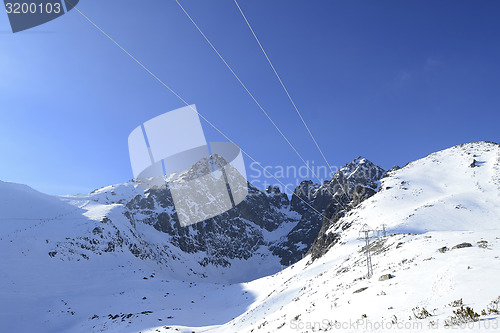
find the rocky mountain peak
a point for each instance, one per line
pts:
(321, 205)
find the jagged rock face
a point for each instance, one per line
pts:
(236, 233)
(303, 195)
(263, 230)
(321, 205)
(264, 208)
(239, 232)
(298, 241)
(354, 178)
(353, 184)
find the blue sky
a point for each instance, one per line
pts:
(392, 81)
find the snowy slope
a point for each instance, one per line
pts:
(83, 268)
(438, 201)
(79, 263)
(21, 207)
(87, 268)
(431, 203)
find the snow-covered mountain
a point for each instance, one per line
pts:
(117, 260)
(355, 182)
(256, 238)
(58, 245)
(441, 252)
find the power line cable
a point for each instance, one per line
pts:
(256, 102)
(187, 104)
(287, 93)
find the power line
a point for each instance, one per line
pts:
(256, 102)
(286, 91)
(184, 101)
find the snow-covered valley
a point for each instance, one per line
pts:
(100, 262)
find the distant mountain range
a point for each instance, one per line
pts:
(118, 260)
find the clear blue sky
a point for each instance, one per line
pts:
(388, 80)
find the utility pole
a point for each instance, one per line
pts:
(364, 233)
(384, 232)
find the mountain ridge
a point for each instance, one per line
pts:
(267, 226)
(97, 269)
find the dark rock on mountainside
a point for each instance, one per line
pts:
(238, 232)
(393, 169)
(266, 223)
(385, 277)
(323, 205)
(356, 182)
(461, 246)
(228, 235)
